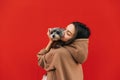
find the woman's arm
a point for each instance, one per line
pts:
(41, 54)
(41, 59)
(49, 45)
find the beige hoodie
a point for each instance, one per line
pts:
(64, 63)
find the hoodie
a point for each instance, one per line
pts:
(64, 63)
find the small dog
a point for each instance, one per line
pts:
(56, 33)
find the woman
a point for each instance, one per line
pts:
(65, 61)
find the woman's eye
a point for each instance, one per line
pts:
(68, 33)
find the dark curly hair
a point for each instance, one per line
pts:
(81, 32)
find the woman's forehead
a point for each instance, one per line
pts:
(71, 28)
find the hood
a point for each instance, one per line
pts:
(79, 50)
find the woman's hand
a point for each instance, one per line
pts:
(48, 34)
(50, 40)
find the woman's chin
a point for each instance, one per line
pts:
(63, 39)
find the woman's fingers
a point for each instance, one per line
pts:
(48, 33)
(49, 30)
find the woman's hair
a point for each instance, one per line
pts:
(81, 31)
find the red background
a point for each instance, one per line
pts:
(23, 27)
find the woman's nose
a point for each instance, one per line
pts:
(64, 31)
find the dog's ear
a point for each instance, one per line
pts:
(53, 29)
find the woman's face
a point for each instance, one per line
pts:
(68, 33)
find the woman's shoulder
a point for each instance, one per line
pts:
(60, 49)
(80, 42)
(77, 42)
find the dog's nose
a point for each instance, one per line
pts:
(53, 36)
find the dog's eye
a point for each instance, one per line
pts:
(58, 32)
(51, 32)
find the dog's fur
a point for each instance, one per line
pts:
(56, 33)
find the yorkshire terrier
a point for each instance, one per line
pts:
(56, 33)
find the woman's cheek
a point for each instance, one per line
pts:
(68, 38)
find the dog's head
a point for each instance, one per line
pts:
(56, 33)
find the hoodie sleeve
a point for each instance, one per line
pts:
(41, 58)
(79, 50)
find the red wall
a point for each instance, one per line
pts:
(23, 27)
